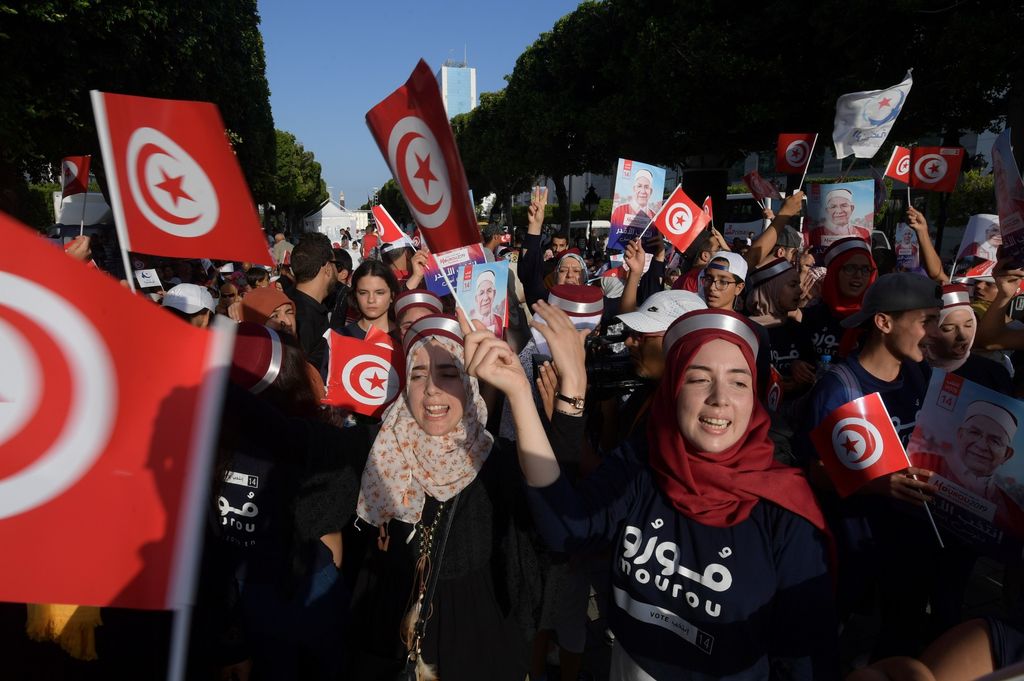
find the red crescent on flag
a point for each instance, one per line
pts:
(148, 150)
(410, 194)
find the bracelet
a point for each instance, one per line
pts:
(569, 413)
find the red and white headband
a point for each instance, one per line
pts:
(705, 320)
(432, 325)
(408, 300)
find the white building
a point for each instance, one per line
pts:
(331, 218)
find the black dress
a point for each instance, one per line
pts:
(487, 595)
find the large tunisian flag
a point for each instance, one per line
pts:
(108, 407)
(412, 131)
(175, 185)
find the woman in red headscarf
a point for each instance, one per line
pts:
(851, 270)
(720, 563)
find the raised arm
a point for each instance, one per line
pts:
(993, 334)
(929, 258)
(634, 257)
(530, 259)
(765, 242)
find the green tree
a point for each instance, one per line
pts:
(58, 50)
(298, 187)
(490, 144)
(390, 196)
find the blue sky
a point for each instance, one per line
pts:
(330, 61)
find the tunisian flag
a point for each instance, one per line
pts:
(899, 165)
(680, 219)
(793, 152)
(363, 375)
(390, 232)
(108, 410)
(761, 188)
(175, 184)
(74, 175)
(857, 443)
(935, 168)
(411, 128)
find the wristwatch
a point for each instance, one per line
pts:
(576, 402)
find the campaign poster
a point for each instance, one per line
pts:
(639, 193)
(906, 249)
(981, 239)
(451, 261)
(482, 291)
(835, 211)
(742, 230)
(967, 435)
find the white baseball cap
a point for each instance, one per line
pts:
(189, 298)
(661, 309)
(737, 263)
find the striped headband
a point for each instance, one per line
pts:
(417, 298)
(954, 295)
(844, 245)
(768, 272)
(429, 326)
(703, 320)
(274, 368)
(577, 301)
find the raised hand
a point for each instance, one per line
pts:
(635, 258)
(490, 359)
(567, 347)
(547, 386)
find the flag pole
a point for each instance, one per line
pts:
(85, 199)
(927, 508)
(808, 164)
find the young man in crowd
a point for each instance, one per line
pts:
(313, 265)
(192, 303)
(881, 538)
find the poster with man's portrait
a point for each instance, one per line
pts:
(482, 290)
(970, 437)
(835, 211)
(906, 249)
(639, 193)
(981, 239)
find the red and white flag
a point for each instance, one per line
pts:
(793, 152)
(761, 188)
(363, 376)
(108, 413)
(858, 443)
(412, 130)
(899, 165)
(175, 185)
(74, 175)
(935, 168)
(680, 219)
(388, 229)
(706, 207)
(774, 394)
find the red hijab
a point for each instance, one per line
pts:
(719, 490)
(837, 255)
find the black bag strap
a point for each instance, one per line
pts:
(435, 568)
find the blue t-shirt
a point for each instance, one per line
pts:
(848, 380)
(690, 601)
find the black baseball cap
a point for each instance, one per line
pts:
(896, 292)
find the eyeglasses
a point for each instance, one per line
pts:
(864, 270)
(718, 284)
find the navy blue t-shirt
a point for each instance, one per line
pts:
(690, 601)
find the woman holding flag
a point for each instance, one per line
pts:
(720, 554)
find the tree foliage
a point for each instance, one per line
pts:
(56, 51)
(390, 196)
(699, 83)
(298, 188)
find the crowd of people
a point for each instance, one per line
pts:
(634, 443)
